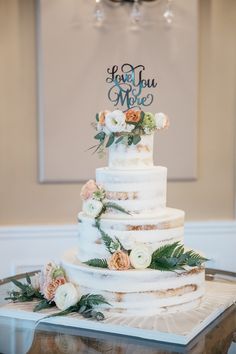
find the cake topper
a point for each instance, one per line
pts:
(129, 92)
(129, 86)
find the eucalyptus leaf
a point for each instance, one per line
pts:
(136, 139)
(100, 136)
(43, 304)
(28, 278)
(130, 140)
(119, 139)
(110, 140)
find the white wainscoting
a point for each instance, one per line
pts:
(27, 248)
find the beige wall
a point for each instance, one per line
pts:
(24, 201)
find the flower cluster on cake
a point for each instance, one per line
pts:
(126, 127)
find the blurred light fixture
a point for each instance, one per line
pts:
(168, 13)
(136, 10)
(99, 13)
(120, 1)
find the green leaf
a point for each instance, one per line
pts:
(44, 304)
(130, 139)
(172, 257)
(108, 241)
(98, 147)
(119, 139)
(110, 140)
(97, 262)
(19, 284)
(101, 212)
(28, 278)
(136, 139)
(142, 116)
(110, 244)
(91, 300)
(116, 207)
(97, 117)
(100, 136)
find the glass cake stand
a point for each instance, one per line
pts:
(22, 336)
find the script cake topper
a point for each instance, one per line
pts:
(128, 86)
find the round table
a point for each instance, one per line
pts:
(19, 336)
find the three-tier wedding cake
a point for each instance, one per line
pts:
(130, 244)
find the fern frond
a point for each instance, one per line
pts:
(116, 207)
(97, 262)
(166, 250)
(108, 241)
(90, 300)
(172, 257)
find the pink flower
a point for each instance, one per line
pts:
(46, 274)
(88, 189)
(50, 288)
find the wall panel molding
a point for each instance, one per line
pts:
(72, 82)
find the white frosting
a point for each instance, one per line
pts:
(132, 182)
(139, 191)
(138, 291)
(153, 232)
(133, 156)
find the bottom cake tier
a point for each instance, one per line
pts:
(138, 292)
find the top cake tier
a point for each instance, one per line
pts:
(140, 156)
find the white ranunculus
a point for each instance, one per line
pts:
(140, 257)
(92, 207)
(162, 121)
(66, 295)
(115, 121)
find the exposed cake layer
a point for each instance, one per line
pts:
(139, 292)
(135, 190)
(132, 156)
(156, 231)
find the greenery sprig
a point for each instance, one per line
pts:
(85, 306)
(109, 205)
(111, 245)
(173, 257)
(26, 293)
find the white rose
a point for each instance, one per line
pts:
(140, 257)
(115, 121)
(66, 295)
(92, 207)
(162, 121)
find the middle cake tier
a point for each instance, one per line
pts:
(138, 191)
(166, 227)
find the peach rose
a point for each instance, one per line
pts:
(46, 274)
(88, 189)
(119, 261)
(101, 117)
(132, 116)
(51, 287)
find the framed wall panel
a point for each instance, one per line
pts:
(73, 56)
